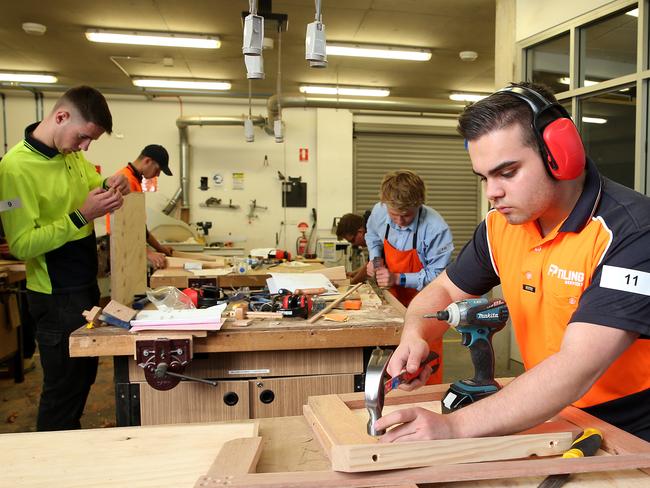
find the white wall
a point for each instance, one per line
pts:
(534, 16)
(138, 122)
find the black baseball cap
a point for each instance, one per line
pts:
(159, 155)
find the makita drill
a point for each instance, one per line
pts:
(477, 319)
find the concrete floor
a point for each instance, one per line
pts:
(19, 402)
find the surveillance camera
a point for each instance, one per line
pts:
(278, 131)
(253, 35)
(248, 130)
(254, 67)
(315, 42)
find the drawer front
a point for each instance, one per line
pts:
(190, 402)
(234, 365)
(281, 397)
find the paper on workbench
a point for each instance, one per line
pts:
(189, 319)
(295, 281)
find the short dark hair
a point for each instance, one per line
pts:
(501, 110)
(91, 104)
(348, 224)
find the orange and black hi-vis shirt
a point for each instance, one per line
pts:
(593, 267)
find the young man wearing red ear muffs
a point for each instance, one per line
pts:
(570, 250)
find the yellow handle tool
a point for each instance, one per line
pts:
(587, 444)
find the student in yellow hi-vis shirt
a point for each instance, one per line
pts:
(57, 194)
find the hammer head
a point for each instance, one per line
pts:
(374, 390)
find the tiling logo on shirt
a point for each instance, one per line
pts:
(574, 278)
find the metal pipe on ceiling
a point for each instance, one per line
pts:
(183, 193)
(417, 105)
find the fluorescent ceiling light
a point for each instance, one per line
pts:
(374, 51)
(594, 120)
(565, 81)
(343, 90)
(182, 84)
(153, 39)
(466, 97)
(28, 78)
(633, 13)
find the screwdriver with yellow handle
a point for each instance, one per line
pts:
(585, 445)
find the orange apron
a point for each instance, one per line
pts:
(409, 262)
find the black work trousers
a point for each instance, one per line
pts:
(66, 380)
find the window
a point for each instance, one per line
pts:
(548, 63)
(600, 49)
(609, 48)
(607, 127)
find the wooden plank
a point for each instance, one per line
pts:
(378, 456)
(394, 302)
(237, 456)
(174, 263)
(439, 474)
(106, 341)
(170, 277)
(128, 249)
(143, 457)
(313, 319)
(219, 260)
(335, 273)
(290, 394)
(396, 397)
(338, 422)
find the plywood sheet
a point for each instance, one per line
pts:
(146, 457)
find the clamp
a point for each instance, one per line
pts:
(164, 361)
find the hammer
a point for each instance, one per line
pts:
(376, 387)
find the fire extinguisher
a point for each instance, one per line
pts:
(302, 241)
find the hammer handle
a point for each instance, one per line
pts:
(310, 291)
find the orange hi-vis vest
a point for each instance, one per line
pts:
(594, 267)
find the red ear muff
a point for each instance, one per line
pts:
(566, 154)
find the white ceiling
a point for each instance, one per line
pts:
(444, 26)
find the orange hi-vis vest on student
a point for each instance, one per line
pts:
(594, 267)
(409, 262)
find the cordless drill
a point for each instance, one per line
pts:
(477, 319)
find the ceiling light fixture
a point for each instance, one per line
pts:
(565, 81)
(153, 38)
(210, 85)
(466, 97)
(28, 77)
(376, 51)
(594, 120)
(344, 90)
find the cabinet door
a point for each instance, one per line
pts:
(190, 401)
(281, 397)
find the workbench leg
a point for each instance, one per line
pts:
(127, 395)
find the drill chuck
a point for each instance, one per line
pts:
(442, 315)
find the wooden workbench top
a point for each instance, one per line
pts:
(373, 325)
(143, 457)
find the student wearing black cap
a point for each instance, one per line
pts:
(153, 160)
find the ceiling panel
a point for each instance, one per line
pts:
(444, 26)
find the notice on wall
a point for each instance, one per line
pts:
(238, 181)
